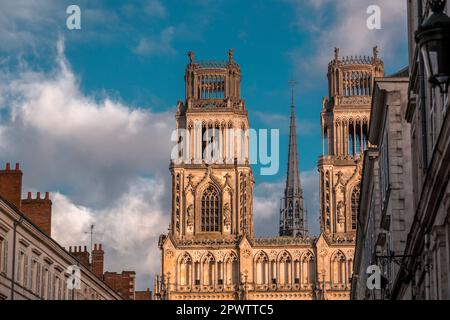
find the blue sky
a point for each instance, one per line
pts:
(83, 119)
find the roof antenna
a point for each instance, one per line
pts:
(91, 233)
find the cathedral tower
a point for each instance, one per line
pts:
(212, 178)
(345, 118)
(292, 214)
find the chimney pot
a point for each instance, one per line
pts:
(38, 196)
(8, 166)
(17, 166)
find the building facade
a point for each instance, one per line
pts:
(425, 268)
(410, 217)
(210, 251)
(384, 217)
(33, 266)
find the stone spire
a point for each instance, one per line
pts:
(292, 216)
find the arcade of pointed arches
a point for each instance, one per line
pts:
(283, 269)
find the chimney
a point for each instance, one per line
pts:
(97, 260)
(11, 184)
(39, 211)
(81, 255)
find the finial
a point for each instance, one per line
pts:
(230, 55)
(336, 54)
(292, 84)
(191, 57)
(437, 6)
(375, 52)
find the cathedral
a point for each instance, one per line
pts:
(210, 251)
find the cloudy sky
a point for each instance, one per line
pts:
(88, 113)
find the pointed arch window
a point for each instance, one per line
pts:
(210, 211)
(355, 206)
(185, 269)
(308, 268)
(262, 268)
(284, 267)
(338, 268)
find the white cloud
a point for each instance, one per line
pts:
(160, 44)
(129, 227)
(343, 24)
(22, 23)
(103, 161)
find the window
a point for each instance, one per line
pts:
(208, 269)
(25, 271)
(210, 210)
(307, 268)
(355, 204)
(262, 268)
(338, 268)
(384, 168)
(32, 274)
(3, 255)
(44, 287)
(19, 266)
(285, 267)
(185, 270)
(38, 278)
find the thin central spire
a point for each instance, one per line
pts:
(292, 83)
(292, 218)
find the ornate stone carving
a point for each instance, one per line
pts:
(246, 253)
(169, 254)
(226, 215)
(197, 255)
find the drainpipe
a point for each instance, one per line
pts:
(13, 276)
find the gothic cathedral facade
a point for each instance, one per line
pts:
(210, 251)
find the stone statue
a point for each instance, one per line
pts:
(191, 57)
(340, 212)
(190, 215)
(375, 52)
(230, 55)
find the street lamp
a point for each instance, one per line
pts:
(433, 38)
